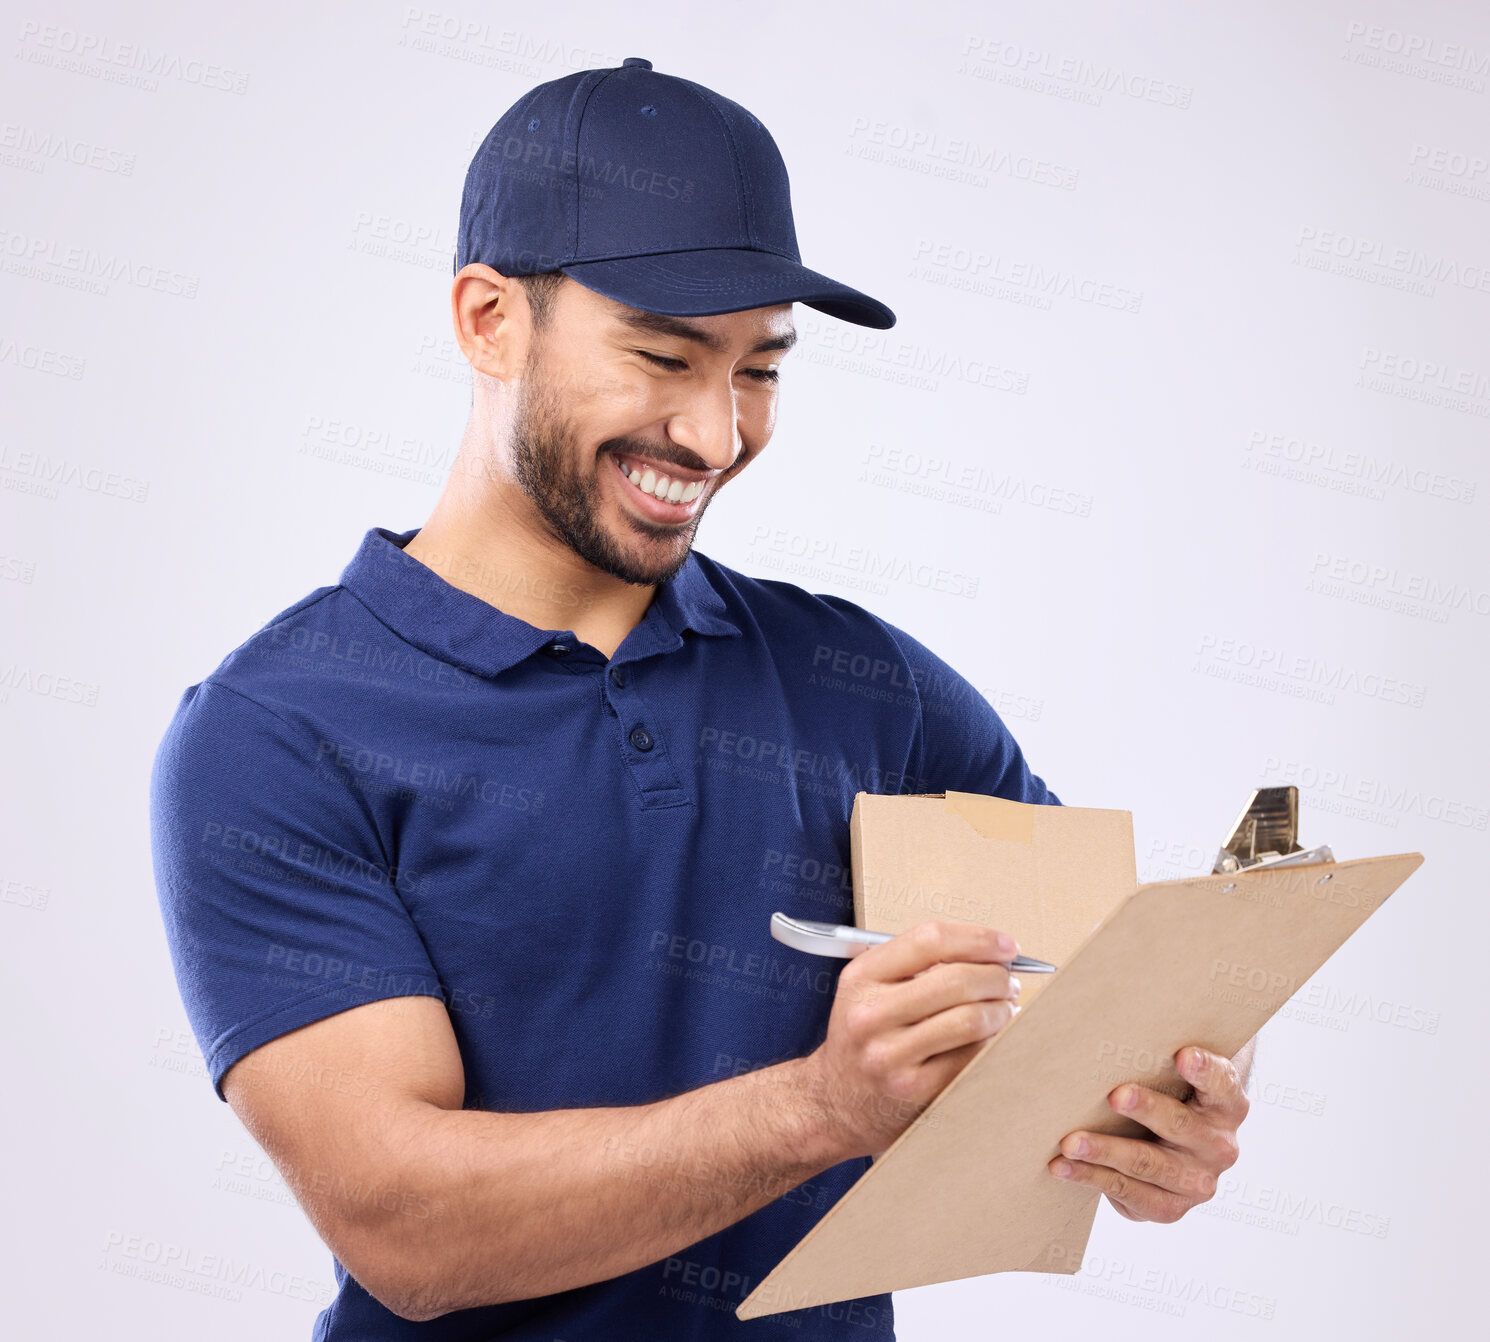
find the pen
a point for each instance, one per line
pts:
(838, 940)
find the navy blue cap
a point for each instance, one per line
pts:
(649, 189)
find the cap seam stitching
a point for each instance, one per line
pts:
(746, 208)
(579, 126)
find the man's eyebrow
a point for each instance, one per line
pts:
(657, 323)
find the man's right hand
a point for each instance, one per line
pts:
(908, 1015)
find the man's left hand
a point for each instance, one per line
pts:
(1194, 1142)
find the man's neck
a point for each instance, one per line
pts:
(515, 572)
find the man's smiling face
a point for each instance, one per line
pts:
(616, 405)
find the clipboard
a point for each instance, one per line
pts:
(964, 1190)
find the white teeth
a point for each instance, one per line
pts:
(660, 487)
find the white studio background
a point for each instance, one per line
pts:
(1178, 452)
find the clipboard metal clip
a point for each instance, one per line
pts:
(1265, 834)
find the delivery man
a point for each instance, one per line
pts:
(466, 862)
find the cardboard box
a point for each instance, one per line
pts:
(1045, 874)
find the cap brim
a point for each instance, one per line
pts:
(713, 280)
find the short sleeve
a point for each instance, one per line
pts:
(962, 744)
(280, 908)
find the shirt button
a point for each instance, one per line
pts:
(641, 738)
(617, 677)
(558, 649)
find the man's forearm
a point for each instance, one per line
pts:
(543, 1202)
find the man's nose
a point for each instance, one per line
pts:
(708, 424)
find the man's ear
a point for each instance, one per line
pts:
(492, 320)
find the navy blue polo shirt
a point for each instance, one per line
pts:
(395, 788)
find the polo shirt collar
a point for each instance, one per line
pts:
(452, 625)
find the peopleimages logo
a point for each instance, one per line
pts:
(130, 63)
(585, 169)
(1084, 81)
(1328, 787)
(1418, 47)
(1370, 258)
(1298, 674)
(378, 767)
(31, 148)
(369, 655)
(216, 1275)
(1370, 582)
(990, 273)
(954, 158)
(1289, 456)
